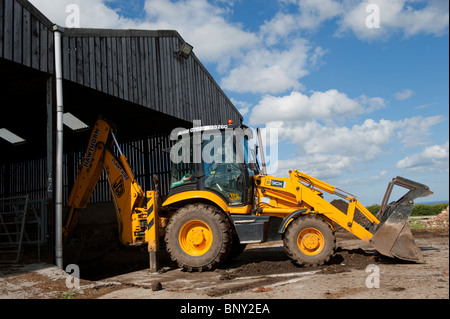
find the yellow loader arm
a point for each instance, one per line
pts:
(288, 195)
(301, 194)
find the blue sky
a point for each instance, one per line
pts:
(352, 105)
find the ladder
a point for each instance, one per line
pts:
(13, 211)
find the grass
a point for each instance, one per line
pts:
(418, 223)
(70, 294)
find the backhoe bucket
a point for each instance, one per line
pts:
(393, 237)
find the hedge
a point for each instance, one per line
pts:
(418, 209)
(428, 210)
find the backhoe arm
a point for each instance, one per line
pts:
(126, 193)
(88, 174)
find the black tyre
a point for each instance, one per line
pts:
(198, 237)
(309, 241)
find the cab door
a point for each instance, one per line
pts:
(225, 170)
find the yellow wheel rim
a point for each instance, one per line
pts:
(195, 238)
(310, 241)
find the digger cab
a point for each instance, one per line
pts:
(210, 199)
(216, 159)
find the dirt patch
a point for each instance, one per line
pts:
(430, 233)
(343, 260)
(270, 273)
(265, 268)
(43, 281)
(229, 290)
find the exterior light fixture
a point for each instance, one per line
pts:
(11, 137)
(74, 123)
(185, 51)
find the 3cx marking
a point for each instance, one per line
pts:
(276, 183)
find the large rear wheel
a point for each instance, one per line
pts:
(198, 237)
(309, 241)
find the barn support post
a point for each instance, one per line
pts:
(59, 147)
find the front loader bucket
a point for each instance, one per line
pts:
(393, 237)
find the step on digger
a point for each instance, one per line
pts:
(221, 199)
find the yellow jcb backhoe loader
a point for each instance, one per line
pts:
(220, 200)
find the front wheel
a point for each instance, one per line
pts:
(309, 241)
(198, 237)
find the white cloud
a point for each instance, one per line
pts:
(404, 95)
(329, 105)
(397, 16)
(433, 19)
(203, 25)
(243, 107)
(326, 151)
(407, 17)
(266, 70)
(93, 13)
(415, 131)
(302, 108)
(362, 141)
(279, 27)
(432, 158)
(319, 166)
(372, 103)
(358, 181)
(424, 106)
(315, 12)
